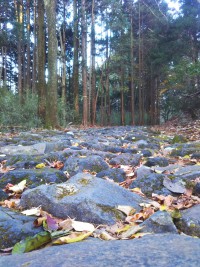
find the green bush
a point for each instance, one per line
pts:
(13, 113)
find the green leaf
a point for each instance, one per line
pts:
(31, 243)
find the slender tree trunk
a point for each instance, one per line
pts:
(41, 86)
(122, 98)
(108, 108)
(19, 18)
(84, 63)
(51, 108)
(63, 58)
(75, 59)
(132, 74)
(34, 72)
(28, 75)
(140, 69)
(5, 67)
(93, 78)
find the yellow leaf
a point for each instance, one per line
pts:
(75, 144)
(186, 157)
(105, 236)
(124, 229)
(163, 207)
(139, 235)
(40, 166)
(74, 237)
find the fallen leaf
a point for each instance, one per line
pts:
(39, 221)
(52, 224)
(139, 235)
(32, 211)
(31, 243)
(40, 166)
(72, 238)
(83, 226)
(18, 188)
(131, 231)
(137, 191)
(57, 165)
(106, 236)
(66, 224)
(11, 204)
(128, 210)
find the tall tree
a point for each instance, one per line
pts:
(75, 58)
(93, 74)
(84, 62)
(51, 108)
(41, 86)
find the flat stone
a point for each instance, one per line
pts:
(151, 250)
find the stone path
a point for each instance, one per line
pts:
(95, 162)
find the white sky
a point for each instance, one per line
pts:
(173, 4)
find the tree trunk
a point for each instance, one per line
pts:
(93, 74)
(63, 59)
(41, 86)
(84, 63)
(28, 71)
(51, 108)
(75, 60)
(132, 74)
(34, 72)
(122, 98)
(19, 18)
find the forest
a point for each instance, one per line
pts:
(105, 62)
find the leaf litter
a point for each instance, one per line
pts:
(64, 231)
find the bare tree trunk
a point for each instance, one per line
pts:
(63, 60)
(122, 98)
(141, 68)
(93, 76)
(84, 63)
(75, 60)
(41, 86)
(51, 108)
(19, 18)
(28, 72)
(34, 72)
(5, 67)
(132, 74)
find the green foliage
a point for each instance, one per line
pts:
(67, 114)
(13, 113)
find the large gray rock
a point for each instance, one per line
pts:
(83, 197)
(15, 227)
(159, 222)
(189, 223)
(151, 250)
